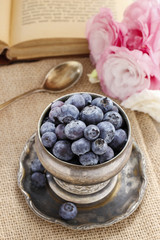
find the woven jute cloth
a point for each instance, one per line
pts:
(19, 121)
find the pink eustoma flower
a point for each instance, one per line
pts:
(142, 19)
(102, 32)
(123, 72)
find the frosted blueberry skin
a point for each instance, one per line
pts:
(81, 146)
(38, 180)
(47, 127)
(114, 118)
(99, 146)
(107, 131)
(49, 139)
(104, 103)
(77, 100)
(47, 119)
(109, 154)
(95, 101)
(59, 131)
(87, 97)
(36, 166)
(119, 140)
(115, 108)
(56, 104)
(68, 113)
(62, 150)
(54, 113)
(91, 132)
(88, 159)
(74, 130)
(68, 211)
(82, 118)
(91, 115)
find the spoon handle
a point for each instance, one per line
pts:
(5, 104)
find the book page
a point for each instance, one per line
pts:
(36, 19)
(5, 11)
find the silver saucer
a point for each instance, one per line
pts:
(121, 203)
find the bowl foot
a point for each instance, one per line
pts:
(85, 198)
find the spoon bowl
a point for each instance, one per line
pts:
(63, 76)
(58, 79)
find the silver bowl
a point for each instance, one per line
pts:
(82, 184)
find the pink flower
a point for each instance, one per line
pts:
(142, 18)
(123, 72)
(102, 31)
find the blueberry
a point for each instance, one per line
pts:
(114, 118)
(47, 127)
(74, 129)
(57, 104)
(91, 132)
(77, 100)
(49, 139)
(87, 97)
(119, 140)
(81, 146)
(36, 166)
(68, 113)
(107, 131)
(47, 119)
(91, 115)
(38, 179)
(104, 103)
(62, 150)
(54, 113)
(68, 211)
(60, 131)
(115, 108)
(88, 159)
(107, 155)
(95, 101)
(99, 146)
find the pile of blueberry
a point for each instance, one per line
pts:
(83, 130)
(38, 177)
(67, 210)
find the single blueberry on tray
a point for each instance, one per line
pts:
(36, 166)
(68, 211)
(38, 180)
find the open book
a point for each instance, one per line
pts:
(32, 29)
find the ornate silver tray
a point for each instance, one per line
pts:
(122, 202)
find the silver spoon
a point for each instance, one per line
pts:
(58, 79)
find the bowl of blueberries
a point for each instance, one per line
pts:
(83, 142)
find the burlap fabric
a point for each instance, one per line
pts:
(19, 121)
